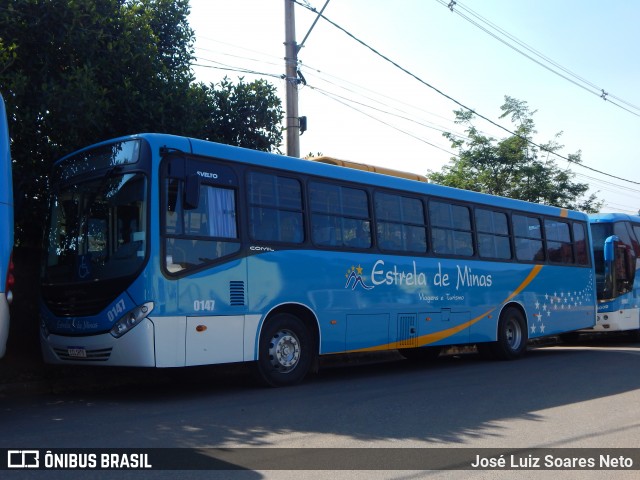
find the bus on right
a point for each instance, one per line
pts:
(616, 250)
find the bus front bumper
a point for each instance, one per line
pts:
(134, 349)
(617, 321)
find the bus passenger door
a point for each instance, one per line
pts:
(620, 267)
(201, 250)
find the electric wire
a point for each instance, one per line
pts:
(440, 92)
(226, 54)
(597, 90)
(231, 68)
(600, 184)
(421, 139)
(357, 89)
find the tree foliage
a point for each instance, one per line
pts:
(243, 114)
(514, 167)
(74, 72)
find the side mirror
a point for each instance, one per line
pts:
(610, 266)
(191, 192)
(609, 248)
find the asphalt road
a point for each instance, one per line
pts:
(584, 396)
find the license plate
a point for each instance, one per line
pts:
(77, 352)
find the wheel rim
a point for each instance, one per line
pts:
(284, 351)
(513, 334)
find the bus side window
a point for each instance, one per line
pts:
(339, 216)
(558, 239)
(580, 244)
(275, 208)
(400, 223)
(451, 229)
(200, 235)
(528, 238)
(493, 234)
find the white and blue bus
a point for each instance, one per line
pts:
(616, 250)
(6, 228)
(166, 251)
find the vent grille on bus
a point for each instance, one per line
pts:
(83, 299)
(98, 355)
(407, 331)
(78, 307)
(236, 293)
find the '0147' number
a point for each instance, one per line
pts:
(116, 311)
(204, 305)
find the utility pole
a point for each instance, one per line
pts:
(294, 126)
(291, 63)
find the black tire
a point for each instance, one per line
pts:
(512, 335)
(285, 351)
(421, 354)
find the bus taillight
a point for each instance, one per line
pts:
(11, 281)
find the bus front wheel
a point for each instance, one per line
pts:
(285, 351)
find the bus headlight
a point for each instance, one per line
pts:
(43, 328)
(131, 319)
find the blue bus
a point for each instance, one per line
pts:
(6, 228)
(166, 251)
(616, 250)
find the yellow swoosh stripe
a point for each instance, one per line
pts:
(437, 336)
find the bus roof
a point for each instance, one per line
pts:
(613, 217)
(370, 168)
(335, 169)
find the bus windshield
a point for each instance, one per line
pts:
(97, 229)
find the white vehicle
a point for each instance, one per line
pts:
(616, 244)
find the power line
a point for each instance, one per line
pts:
(399, 113)
(342, 100)
(579, 81)
(622, 208)
(226, 54)
(386, 112)
(236, 69)
(274, 57)
(440, 92)
(337, 99)
(357, 90)
(230, 68)
(321, 75)
(600, 184)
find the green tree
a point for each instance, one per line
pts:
(245, 114)
(514, 167)
(74, 72)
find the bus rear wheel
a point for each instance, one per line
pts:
(512, 335)
(285, 352)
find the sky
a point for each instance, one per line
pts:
(361, 107)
